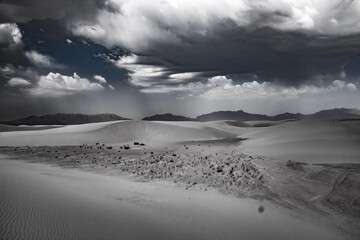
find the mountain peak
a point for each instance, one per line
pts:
(167, 117)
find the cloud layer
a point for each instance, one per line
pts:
(23, 11)
(15, 82)
(57, 85)
(100, 79)
(26, 80)
(286, 41)
(10, 35)
(175, 42)
(220, 88)
(228, 54)
(41, 60)
(11, 44)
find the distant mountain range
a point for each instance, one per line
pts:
(167, 117)
(241, 116)
(337, 113)
(231, 115)
(64, 119)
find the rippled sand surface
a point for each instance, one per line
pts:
(38, 201)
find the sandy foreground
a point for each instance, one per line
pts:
(46, 202)
(188, 181)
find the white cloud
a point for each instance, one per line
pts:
(16, 82)
(333, 21)
(111, 87)
(57, 85)
(85, 43)
(339, 84)
(138, 22)
(144, 73)
(68, 41)
(141, 74)
(100, 79)
(42, 60)
(221, 87)
(50, 85)
(10, 71)
(10, 35)
(351, 86)
(154, 79)
(191, 87)
(220, 81)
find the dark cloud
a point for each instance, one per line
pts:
(11, 45)
(19, 71)
(179, 46)
(9, 71)
(291, 58)
(23, 11)
(289, 42)
(287, 56)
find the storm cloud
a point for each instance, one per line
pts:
(23, 11)
(290, 42)
(11, 44)
(177, 42)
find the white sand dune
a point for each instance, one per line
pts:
(120, 131)
(266, 123)
(311, 141)
(9, 128)
(42, 202)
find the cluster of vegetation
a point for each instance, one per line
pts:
(195, 168)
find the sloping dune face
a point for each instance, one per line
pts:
(119, 132)
(9, 128)
(317, 141)
(42, 202)
(311, 141)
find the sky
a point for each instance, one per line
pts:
(137, 58)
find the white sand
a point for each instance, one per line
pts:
(120, 131)
(310, 141)
(42, 202)
(9, 128)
